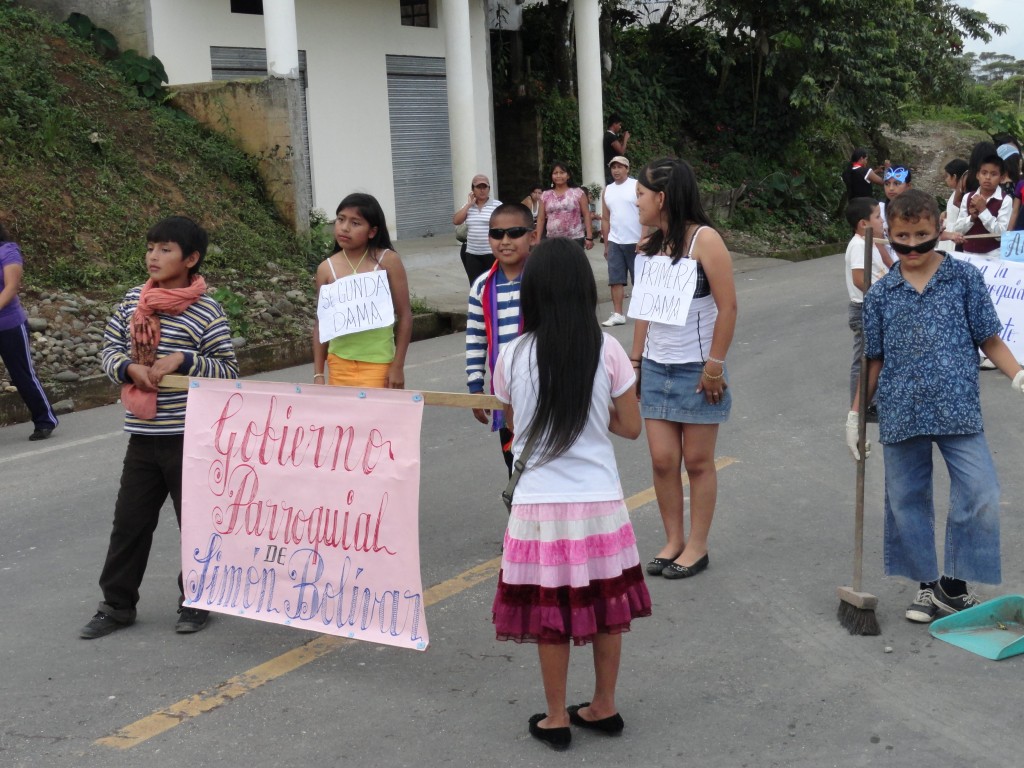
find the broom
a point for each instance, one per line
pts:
(856, 608)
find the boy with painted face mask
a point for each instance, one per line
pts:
(922, 362)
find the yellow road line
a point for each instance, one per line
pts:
(205, 701)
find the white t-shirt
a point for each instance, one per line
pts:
(623, 214)
(855, 260)
(587, 471)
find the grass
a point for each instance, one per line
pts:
(88, 166)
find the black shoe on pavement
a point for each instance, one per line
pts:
(923, 609)
(949, 605)
(191, 620)
(100, 625)
(41, 434)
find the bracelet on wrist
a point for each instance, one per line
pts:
(709, 377)
(318, 376)
(715, 360)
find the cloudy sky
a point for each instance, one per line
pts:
(1006, 12)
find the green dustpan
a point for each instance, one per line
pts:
(994, 629)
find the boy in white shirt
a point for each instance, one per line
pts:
(861, 213)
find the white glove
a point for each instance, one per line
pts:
(852, 436)
(1018, 381)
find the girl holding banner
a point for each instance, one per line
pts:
(364, 315)
(570, 570)
(684, 302)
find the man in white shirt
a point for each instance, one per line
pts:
(620, 230)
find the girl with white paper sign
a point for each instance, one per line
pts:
(682, 381)
(373, 357)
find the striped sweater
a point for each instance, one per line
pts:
(201, 333)
(484, 324)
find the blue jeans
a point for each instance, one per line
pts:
(972, 527)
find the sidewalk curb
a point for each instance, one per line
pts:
(97, 390)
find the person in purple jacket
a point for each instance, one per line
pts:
(14, 341)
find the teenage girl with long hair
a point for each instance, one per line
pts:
(376, 357)
(684, 392)
(570, 569)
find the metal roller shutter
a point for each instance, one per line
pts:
(421, 153)
(242, 63)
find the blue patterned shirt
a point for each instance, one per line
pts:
(928, 343)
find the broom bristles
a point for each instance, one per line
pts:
(858, 621)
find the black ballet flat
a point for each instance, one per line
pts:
(611, 726)
(658, 564)
(556, 738)
(676, 571)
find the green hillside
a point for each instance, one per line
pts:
(86, 166)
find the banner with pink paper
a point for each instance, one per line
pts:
(300, 506)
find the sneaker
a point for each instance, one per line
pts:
(100, 625)
(41, 434)
(949, 605)
(986, 365)
(924, 608)
(615, 319)
(191, 620)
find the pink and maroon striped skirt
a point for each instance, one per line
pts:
(568, 572)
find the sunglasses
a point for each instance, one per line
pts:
(514, 232)
(904, 249)
(481, 186)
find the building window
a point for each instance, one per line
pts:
(415, 13)
(254, 7)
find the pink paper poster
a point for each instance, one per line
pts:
(300, 506)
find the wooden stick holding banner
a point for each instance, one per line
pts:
(448, 399)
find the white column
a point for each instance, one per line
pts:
(459, 71)
(588, 75)
(282, 38)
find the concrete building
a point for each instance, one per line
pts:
(389, 97)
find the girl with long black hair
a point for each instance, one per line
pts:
(374, 357)
(684, 394)
(570, 569)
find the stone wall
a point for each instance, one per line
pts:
(126, 20)
(262, 116)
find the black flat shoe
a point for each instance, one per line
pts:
(658, 564)
(676, 571)
(612, 726)
(556, 738)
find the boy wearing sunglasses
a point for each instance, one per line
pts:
(923, 324)
(493, 319)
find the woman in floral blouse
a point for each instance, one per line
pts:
(564, 211)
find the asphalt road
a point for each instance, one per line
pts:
(745, 665)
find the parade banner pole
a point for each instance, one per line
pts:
(448, 399)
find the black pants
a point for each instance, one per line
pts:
(17, 357)
(506, 448)
(475, 264)
(152, 471)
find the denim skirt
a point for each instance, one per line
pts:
(668, 392)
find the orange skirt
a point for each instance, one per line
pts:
(355, 373)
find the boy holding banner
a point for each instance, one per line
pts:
(169, 325)
(985, 213)
(493, 318)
